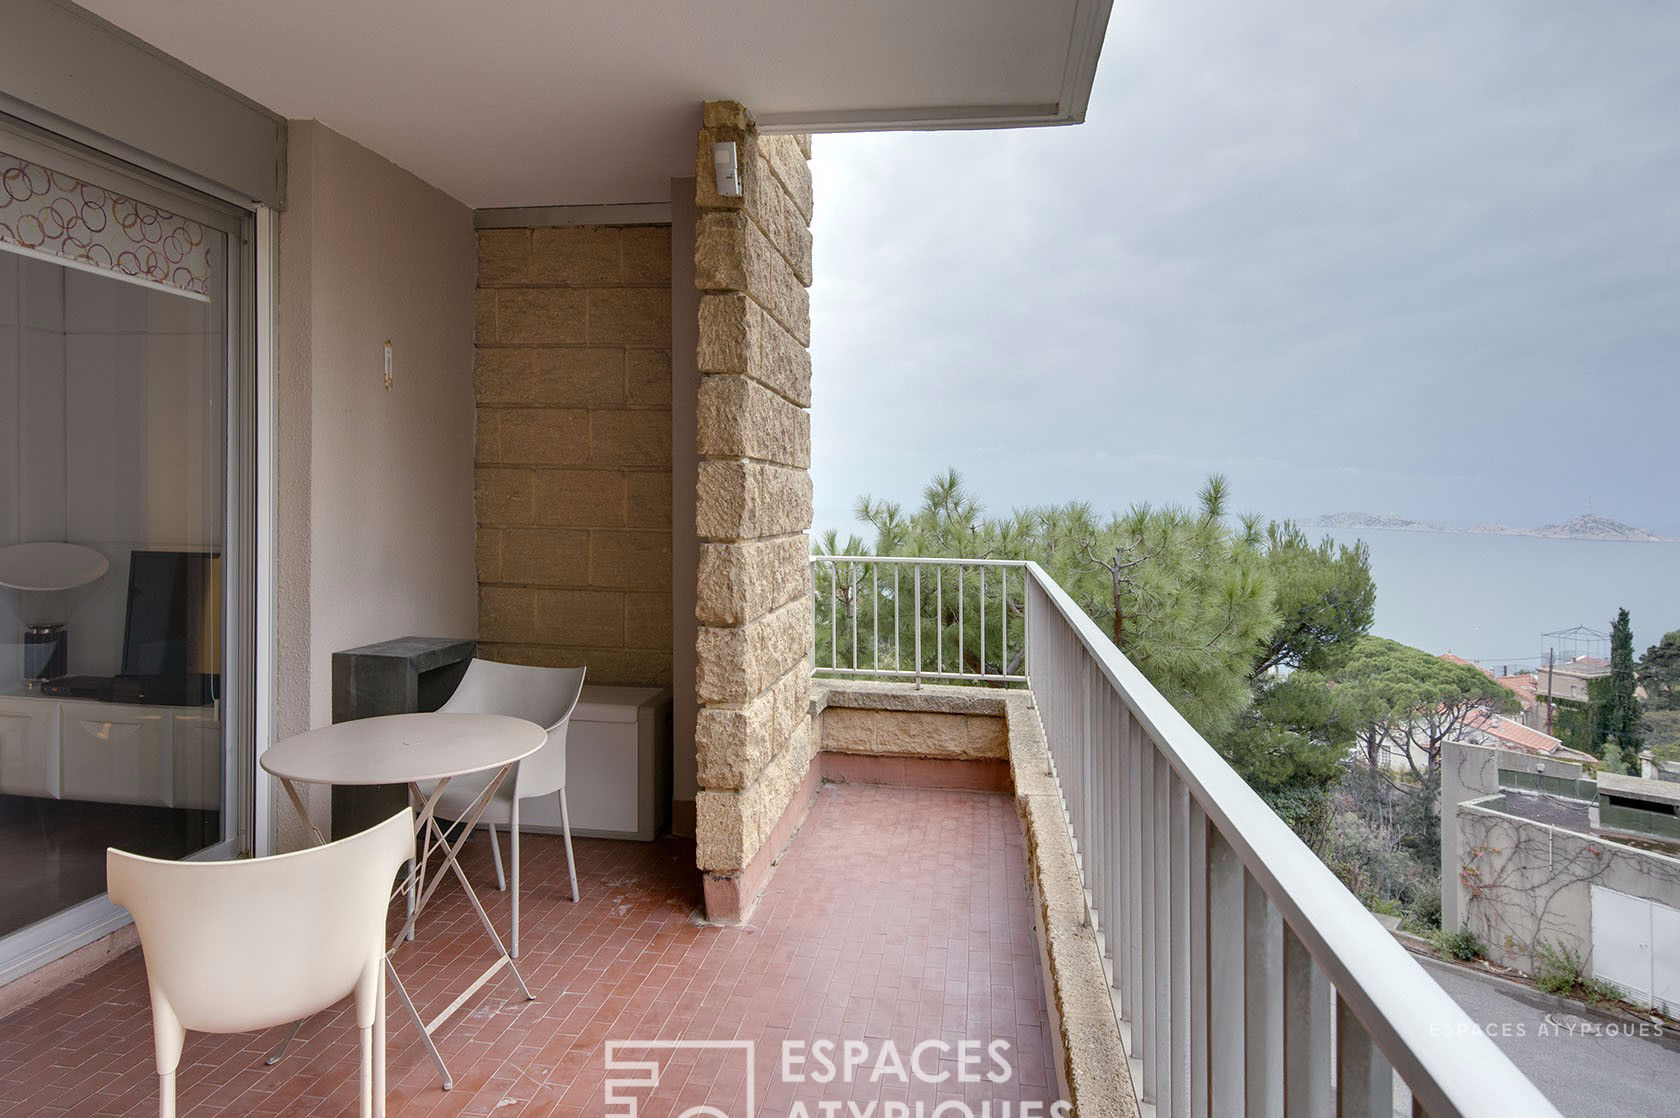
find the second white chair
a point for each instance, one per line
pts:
(232, 947)
(546, 696)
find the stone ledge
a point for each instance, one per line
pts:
(1099, 1080)
(931, 698)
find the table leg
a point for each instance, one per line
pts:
(435, 839)
(419, 890)
(419, 1023)
(275, 1056)
(303, 812)
(489, 928)
(417, 877)
(449, 852)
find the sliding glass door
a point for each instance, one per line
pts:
(124, 534)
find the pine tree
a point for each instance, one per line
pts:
(1186, 593)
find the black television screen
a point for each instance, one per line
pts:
(173, 625)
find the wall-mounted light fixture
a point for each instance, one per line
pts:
(728, 174)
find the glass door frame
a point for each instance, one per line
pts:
(40, 943)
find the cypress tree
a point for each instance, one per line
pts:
(1623, 717)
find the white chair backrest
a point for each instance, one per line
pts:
(253, 943)
(546, 696)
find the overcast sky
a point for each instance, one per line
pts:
(1420, 258)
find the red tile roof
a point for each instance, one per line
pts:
(1451, 659)
(1508, 733)
(1523, 686)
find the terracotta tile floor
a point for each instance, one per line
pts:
(899, 915)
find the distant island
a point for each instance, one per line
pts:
(1587, 526)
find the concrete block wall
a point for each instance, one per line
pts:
(572, 483)
(754, 739)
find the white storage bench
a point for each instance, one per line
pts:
(618, 767)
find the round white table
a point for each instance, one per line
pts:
(403, 749)
(417, 750)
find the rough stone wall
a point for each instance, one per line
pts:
(572, 378)
(753, 502)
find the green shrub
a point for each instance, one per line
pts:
(1462, 945)
(1561, 970)
(1383, 906)
(1424, 907)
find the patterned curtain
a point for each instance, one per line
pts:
(50, 214)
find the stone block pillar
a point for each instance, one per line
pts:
(753, 507)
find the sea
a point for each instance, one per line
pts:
(1490, 598)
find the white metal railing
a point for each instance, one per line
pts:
(1247, 979)
(904, 617)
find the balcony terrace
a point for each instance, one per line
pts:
(897, 915)
(1133, 897)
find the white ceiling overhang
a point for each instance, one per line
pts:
(543, 102)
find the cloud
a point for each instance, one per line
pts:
(1408, 257)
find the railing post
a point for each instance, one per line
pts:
(939, 618)
(1137, 978)
(1364, 1080)
(1083, 824)
(1306, 1033)
(855, 611)
(918, 613)
(1161, 904)
(1226, 995)
(1027, 610)
(1179, 930)
(1199, 985)
(1263, 1002)
(1145, 1025)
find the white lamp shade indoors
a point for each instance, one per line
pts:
(41, 570)
(50, 566)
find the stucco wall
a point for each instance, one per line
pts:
(573, 382)
(1471, 772)
(1517, 883)
(375, 514)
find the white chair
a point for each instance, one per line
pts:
(233, 947)
(546, 696)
